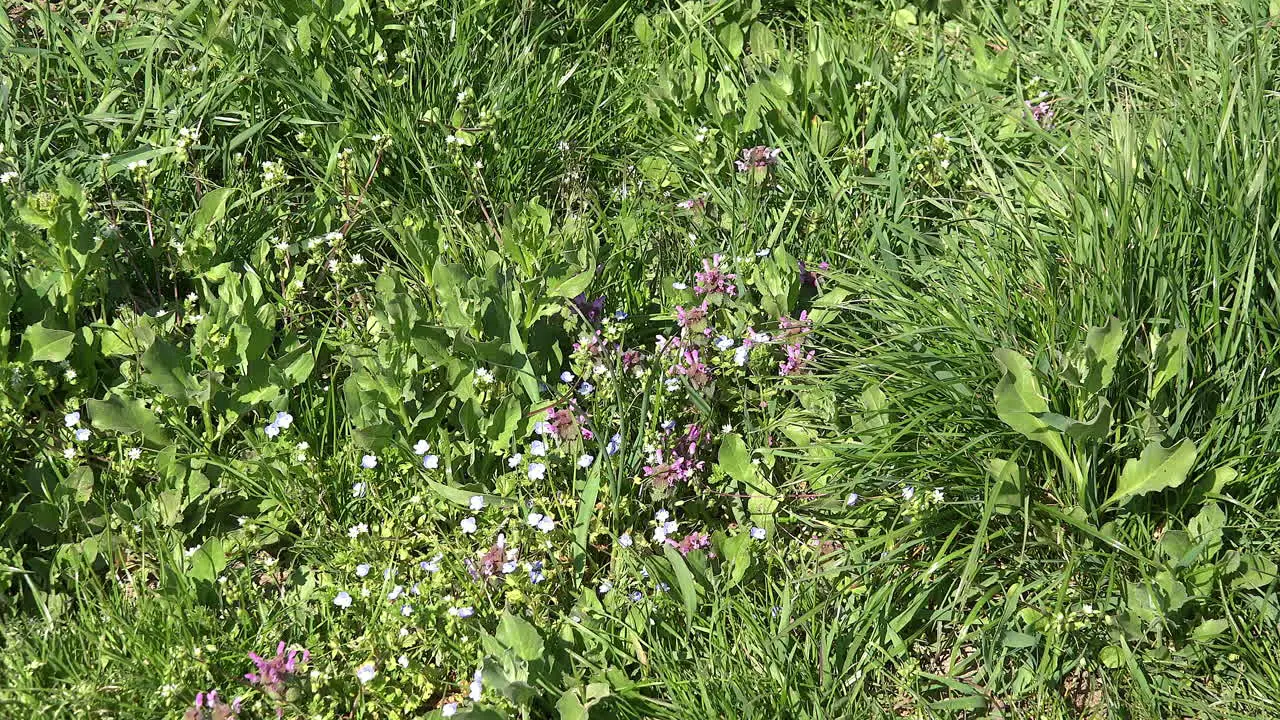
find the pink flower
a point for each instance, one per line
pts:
(758, 157)
(712, 279)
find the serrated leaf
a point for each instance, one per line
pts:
(1158, 468)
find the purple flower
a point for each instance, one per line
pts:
(591, 310)
(1041, 112)
(273, 674)
(712, 279)
(209, 706)
(758, 157)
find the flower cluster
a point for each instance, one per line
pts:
(758, 158)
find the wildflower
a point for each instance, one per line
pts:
(395, 593)
(477, 687)
(937, 495)
(449, 709)
(366, 672)
(468, 525)
(362, 569)
(1041, 112)
(69, 453)
(403, 661)
(586, 389)
(191, 551)
(421, 447)
(852, 499)
(585, 460)
(406, 610)
(636, 596)
(535, 573)
(625, 540)
(462, 612)
(283, 420)
(615, 443)
(757, 158)
(342, 600)
(358, 489)
(133, 453)
(908, 493)
(71, 419)
(566, 377)
(605, 587)
(693, 203)
(477, 502)
(537, 447)
(542, 427)
(483, 377)
(758, 533)
(679, 286)
(692, 541)
(724, 343)
(712, 278)
(82, 434)
(369, 462)
(537, 471)
(7, 177)
(273, 674)
(433, 565)
(431, 462)
(357, 530)
(272, 430)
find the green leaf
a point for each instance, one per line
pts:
(1080, 431)
(572, 286)
(1210, 629)
(1257, 571)
(1170, 356)
(735, 459)
(684, 581)
(127, 415)
(1020, 404)
(1008, 487)
(570, 707)
(80, 482)
(213, 207)
(165, 367)
(517, 634)
(42, 344)
(1206, 529)
(1102, 351)
(1158, 468)
(208, 561)
(462, 497)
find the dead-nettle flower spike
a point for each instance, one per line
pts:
(758, 157)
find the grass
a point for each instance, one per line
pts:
(457, 174)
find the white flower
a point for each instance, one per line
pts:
(71, 419)
(191, 551)
(908, 493)
(396, 592)
(542, 427)
(421, 447)
(514, 460)
(661, 516)
(449, 709)
(566, 376)
(5, 177)
(625, 540)
(283, 420)
(851, 500)
(547, 524)
(465, 611)
(272, 430)
(476, 687)
(586, 460)
(605, 587)
(82, 434)
(431, 462)
(937, 495)
(537, 471)
(763, 252)
(357, 530)
(508, 567)
(358, 489)
(483, 377)
(406, 610)
(366, 672)
(534, 519)
(403, 661)
(477, 502)
(69, 453)
(758, 533)
(362, 569)
(342, 600)
(369, 462)
(537, 447)
(468, 525)
(724, 343)
(679, 286)
(133, 453)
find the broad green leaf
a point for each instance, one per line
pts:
(1020, 404)
(168, 505)
(572, 286)
(42, 344)
(570, 707)
(736, 550)
(127, 415)
(165, 366)
(1015, 639)
(517, 634)
(208, 561)
(1008, 485)
(735, 460)
(1080, 431)
(1102, 351)
(462, 497)
(1170, 356)
(1210, 629)
(1256, 572)
(80, 482)
(1206, 529)
(684, 581)
(1156, 469)
(213, 207)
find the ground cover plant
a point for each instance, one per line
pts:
(642, 360)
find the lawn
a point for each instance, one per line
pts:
(511, 359)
